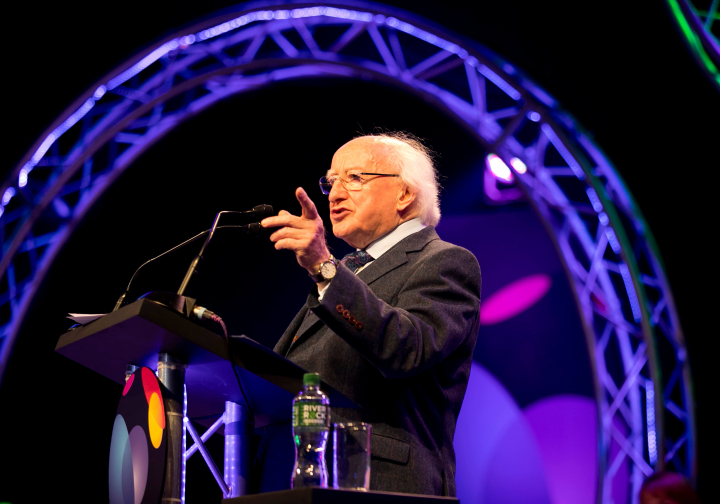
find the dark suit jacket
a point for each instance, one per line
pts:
(407, 363)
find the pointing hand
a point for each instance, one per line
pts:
(304, 235)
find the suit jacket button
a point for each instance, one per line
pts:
(346, 314)
(352, 320)
(358, 325)
(340, 308)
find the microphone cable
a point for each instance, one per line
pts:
(203, 313)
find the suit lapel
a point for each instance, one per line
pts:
(397, 256)
(310, 320)
(388, 261)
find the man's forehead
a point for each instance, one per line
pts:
(358, 154)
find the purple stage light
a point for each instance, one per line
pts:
(184, 447)
(566, 433)
(498, 459)
(632, 295)
(518, 165)
(544, 453)
(594, 200)
(499, 168)
(7, 195)
(612, 239)
(565, 430)
(650, 415)
(514, 298)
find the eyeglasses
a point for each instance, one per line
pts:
(354, 183)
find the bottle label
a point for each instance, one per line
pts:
(310, 414)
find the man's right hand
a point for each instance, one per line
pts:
(304, 235)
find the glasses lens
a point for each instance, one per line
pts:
(325, 186)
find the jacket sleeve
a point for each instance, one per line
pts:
(436, 311)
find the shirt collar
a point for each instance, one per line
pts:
(382, 245)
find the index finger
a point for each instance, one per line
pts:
(308, 207)
(283, 218)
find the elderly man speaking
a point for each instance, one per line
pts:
(393, 325)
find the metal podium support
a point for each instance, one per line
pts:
(238, 428)
(171, 373)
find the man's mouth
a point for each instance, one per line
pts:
(338, 213)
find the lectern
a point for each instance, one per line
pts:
(194, 363)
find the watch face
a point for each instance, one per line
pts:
(328, 270)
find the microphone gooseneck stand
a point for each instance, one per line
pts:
(171, 373)
(259, 211)
(252, 229)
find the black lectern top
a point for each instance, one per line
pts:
(137, 333)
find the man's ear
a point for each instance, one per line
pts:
(405, 199)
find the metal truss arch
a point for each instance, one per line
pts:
(699, 24)
(645, 402)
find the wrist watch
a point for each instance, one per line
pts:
(326, 271)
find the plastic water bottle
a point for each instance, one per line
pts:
(311, 426)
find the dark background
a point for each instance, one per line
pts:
(624, 73)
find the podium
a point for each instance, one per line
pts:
(195, 361)
(331, 496)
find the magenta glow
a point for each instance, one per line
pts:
(514, 298)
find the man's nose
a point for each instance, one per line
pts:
(338, 191)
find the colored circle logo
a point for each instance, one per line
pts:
(156, 411)
(137, 447)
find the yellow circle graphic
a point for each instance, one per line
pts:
(156, 419)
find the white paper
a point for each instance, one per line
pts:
(84, 318)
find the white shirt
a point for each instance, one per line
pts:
(382, 245)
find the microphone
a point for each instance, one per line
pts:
(260, 211)
(264, 210)
(254, 229)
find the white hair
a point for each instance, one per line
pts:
(414, 163)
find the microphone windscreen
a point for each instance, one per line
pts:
(254, 229)
(262, 211)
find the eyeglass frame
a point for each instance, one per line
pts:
(344, 182)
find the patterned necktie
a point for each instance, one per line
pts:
(356, 260)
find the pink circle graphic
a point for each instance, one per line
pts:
(118, 445)
(128, 384)
(514, 298)
(150, 384)
(139, 450)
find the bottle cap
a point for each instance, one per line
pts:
(311, 379)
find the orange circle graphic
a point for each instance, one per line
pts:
(156, 419)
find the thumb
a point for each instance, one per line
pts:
(309, 211)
